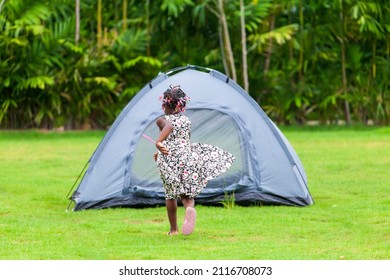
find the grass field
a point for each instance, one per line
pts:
(349, 178)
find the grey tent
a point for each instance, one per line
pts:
(122, 173)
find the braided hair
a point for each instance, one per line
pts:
(175, 99)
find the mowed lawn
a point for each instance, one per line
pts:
(348, 173)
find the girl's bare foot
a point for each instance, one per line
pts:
(189, 222)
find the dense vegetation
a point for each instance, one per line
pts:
(73, 63)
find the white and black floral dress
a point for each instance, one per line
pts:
(189, 166)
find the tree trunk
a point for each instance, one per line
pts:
(99, 24)
(148, 29)
(386, 87)
(301, 23)
(228, 45)
(116, 11)
(1, 5)
(124, 16)
(244, 49)
(77, 30)
(267, 63)
(345, 83)
(291, 55)
(347, 114)
(374, 58)
(222, 46)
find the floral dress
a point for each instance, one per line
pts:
(189, 166)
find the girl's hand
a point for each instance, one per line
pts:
(155, 156)
(164, 150)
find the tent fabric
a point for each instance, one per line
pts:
(267, 170)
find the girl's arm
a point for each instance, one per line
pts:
(165, 129)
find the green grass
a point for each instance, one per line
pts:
(348, 171)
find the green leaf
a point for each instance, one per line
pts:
(39, 82)
(21, 41)
(174, 7)
(145, 59)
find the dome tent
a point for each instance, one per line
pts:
(267, 170)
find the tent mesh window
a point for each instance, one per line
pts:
(208, 126)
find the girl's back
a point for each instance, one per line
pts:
(180, 137)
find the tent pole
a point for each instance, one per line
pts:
(67, 209)
(77, 179)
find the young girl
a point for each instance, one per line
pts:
(185, 168)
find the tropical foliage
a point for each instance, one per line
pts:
(77, 63)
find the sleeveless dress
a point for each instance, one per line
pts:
(189, 166)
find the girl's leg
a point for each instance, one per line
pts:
(187, 201)
(190, 218)
(171, 205)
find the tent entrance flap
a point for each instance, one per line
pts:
(208, 126)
